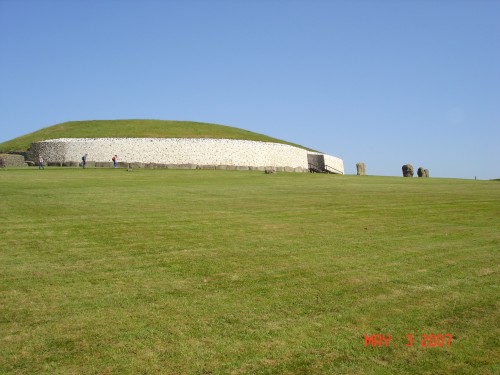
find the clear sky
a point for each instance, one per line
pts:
(384, 82)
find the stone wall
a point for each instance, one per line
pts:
(334, 162)
(13, 160)
(199, 153)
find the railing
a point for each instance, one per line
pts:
(333, 170)
(314, 168)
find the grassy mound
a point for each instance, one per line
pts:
(135, 129)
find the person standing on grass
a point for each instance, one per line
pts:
(40, 163)
(84, 161)
(115, 161)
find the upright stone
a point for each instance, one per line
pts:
(361, 169)
(422, 172)
(407, 170)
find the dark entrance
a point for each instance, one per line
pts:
(316, 163)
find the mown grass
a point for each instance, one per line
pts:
(135, 129)
(218, 272)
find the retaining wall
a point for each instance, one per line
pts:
(334, 162)
(200, 153)
(13, 160)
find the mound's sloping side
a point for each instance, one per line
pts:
(135, 129)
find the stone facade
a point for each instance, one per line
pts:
(192, 153)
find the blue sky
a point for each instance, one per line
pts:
(382, 82)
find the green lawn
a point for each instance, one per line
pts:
(105, 271)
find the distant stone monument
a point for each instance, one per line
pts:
(407, 170)
(422, 172)
(361, 169)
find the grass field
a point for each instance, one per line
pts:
(224, 272)
(135, 129)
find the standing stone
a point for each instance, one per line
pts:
(361, 169)
(422, 172)
(407, 170)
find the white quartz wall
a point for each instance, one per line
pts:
(334, 162)
(176, 151)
